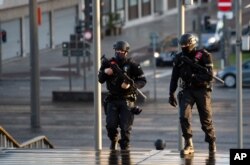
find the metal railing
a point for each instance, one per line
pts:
(37, 142)
(7, 141)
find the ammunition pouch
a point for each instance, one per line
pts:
(193, 85)
(131, 97)
(128, 97)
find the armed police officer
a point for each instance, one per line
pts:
(196, 89)
(119, 105)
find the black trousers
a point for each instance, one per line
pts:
(118, 115)
(202, 98)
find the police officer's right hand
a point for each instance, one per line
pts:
(172, 100)
(104, 65)
(108, 71)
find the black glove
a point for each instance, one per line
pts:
(172, 100)
(136, 110)
(104, 64)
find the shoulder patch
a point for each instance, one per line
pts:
(198, 55)
(205, 52)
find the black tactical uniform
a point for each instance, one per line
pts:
(119, 101)
(196, 88)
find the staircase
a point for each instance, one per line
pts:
(39, 142)
(38, 151)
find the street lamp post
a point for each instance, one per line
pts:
(238, 16)
(34, 63)
(181, 28)
(97, 90)
(154, 37)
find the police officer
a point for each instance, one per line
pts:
(121, 94)
(196, 89)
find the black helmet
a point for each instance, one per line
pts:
(121, 45)
(188, 42)
(159, 144)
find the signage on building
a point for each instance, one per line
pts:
(224, 9)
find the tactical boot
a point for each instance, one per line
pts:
(212, 147)
(189, 148)
(124, 145)
(113, 145)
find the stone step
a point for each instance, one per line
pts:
(105, 157)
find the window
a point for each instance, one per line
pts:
(106, 6)
(145, 8)
(119, 4)
(133, 2)
(133, 9)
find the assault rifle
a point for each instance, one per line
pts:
(200, 68)
(122, 74)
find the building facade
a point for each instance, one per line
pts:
(59, 18)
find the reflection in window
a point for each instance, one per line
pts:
(119, 4)
(133, 2)
(133, 9)
(106, 6)
(145, 8)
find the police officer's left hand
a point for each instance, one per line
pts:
(108, 71)
(172, 100)
(125, 85)
(136, 110)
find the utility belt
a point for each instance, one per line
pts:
(130, 100)
(186, 85)
(129, 97)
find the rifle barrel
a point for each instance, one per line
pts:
(218, 79)
(142, 94)
(185, 59)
